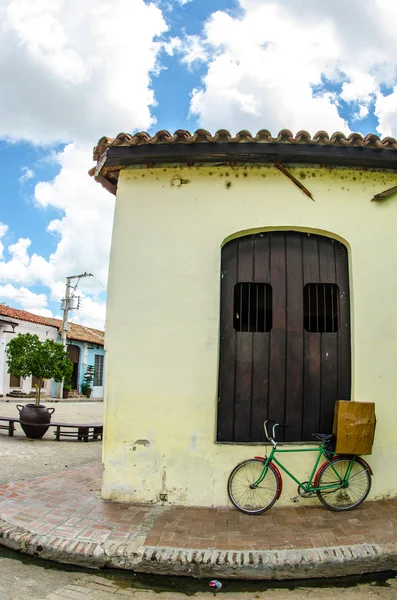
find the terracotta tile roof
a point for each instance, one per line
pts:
(182, 147)
(86, 334)
(76, 332)
(23, 315)
(223, 136)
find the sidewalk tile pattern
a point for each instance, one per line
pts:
(68, 507)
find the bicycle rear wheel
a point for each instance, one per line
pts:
(356, 490)
(252, 501)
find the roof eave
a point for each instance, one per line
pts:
(7, 321)
(116, 158)
(96, 342)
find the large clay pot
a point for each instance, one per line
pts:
(35, 420)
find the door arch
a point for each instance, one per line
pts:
(284, 335)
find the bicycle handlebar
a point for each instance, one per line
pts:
(270, 422)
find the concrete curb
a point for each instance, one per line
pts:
(280, 565)
(337, 561)
(51, 547)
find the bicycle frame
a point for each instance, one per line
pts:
(308, 485)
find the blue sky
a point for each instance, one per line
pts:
(133, 65)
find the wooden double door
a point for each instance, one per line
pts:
(284, 335)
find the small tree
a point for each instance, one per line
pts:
(86, 386)
(27, 355)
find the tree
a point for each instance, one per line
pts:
(86, 386)
(27, 355)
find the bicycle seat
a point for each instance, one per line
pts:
(323, 437)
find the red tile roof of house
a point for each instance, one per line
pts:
(223, 136)
(182, 147)
(76, 332)
(23, 315)
(86, 334)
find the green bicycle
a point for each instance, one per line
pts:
(341, 483)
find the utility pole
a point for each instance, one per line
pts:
(67, 305)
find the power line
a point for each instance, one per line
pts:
(99, 282)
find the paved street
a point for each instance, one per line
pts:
(38, 580)
(26, 577)
(21, 458)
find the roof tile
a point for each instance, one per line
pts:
(285, 136)
(76, 332)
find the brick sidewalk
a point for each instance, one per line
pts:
(65, 514)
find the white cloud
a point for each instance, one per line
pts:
(172, 46)
(43, 312)
(57, 291)
(267, 65)
(70, 69)
(360, 90)
(26, 174)
(360, 86)
(386, 111)
(92, 313)
(363, 112)
(85, 229)
(193, 50)
(262, 70)
(84, 233)
(26, 298)
(3, 231)
(23, 267)
(72, 72)
(19, 251)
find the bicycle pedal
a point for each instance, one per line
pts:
(305, 493)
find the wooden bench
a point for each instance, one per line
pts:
(10, 427)
(81, 431)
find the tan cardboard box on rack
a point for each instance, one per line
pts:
(354, 427)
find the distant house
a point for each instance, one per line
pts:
(85, 347)
(12, 322)
(251, 277)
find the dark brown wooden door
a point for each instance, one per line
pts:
(15, 381)
(74, 356)
(35, 382)
(285, 335)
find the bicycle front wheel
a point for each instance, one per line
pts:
(253, 501)
(354, 492)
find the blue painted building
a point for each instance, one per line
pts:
(85, 348)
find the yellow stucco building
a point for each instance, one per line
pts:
(250, 277)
